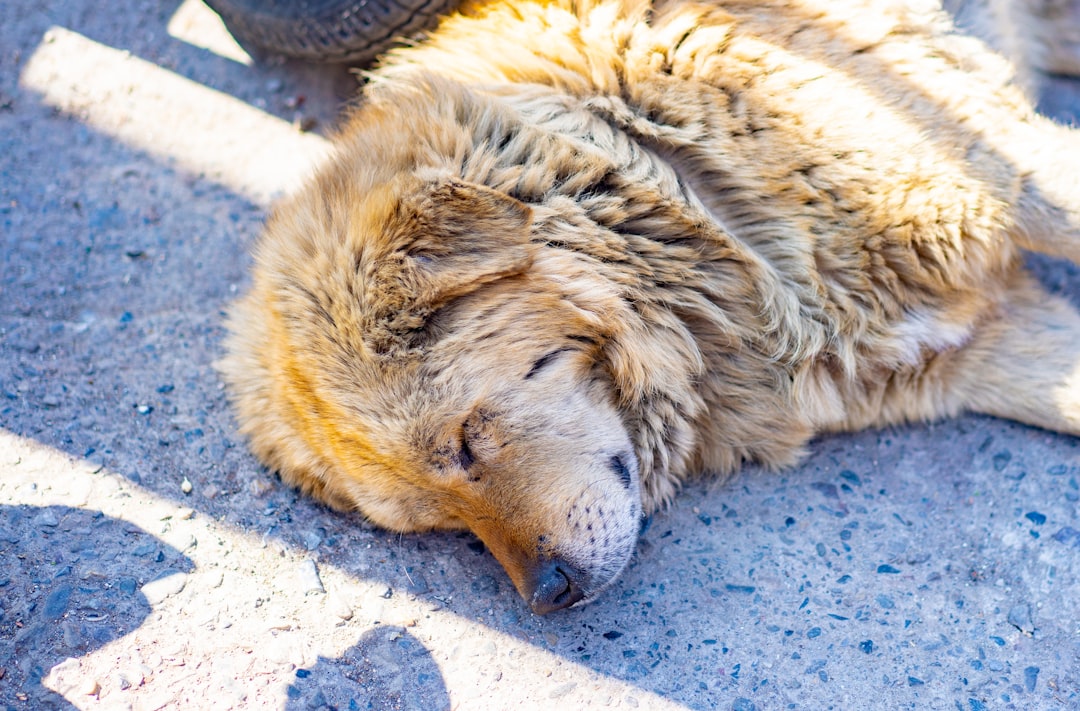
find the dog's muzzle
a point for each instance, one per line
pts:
(554, 585)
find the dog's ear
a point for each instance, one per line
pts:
(453, 237)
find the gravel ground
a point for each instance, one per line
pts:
(147, 562)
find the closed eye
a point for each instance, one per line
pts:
(465, 457)
(543, 361)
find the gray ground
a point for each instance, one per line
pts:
(146, 561)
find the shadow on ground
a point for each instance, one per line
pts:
(388, 668)
(71, 582)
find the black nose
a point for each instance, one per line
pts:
(557, 586)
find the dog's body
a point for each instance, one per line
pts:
(571, 253)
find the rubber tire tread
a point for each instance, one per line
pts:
(354, 31)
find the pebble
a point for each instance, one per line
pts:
(1020, 618)
(56, 603)
(307, 578)
(1031, 676)
(185, 486)
(485, 585)
(260, 487)
(132, 676)
(312, 539)
(338, 607)
(562, 690)
(1068, 535)
(169, 583)
(417, 584)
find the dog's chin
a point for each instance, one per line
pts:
(604, 581)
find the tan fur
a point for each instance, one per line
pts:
(568, 254)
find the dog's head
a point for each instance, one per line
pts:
(408, 351)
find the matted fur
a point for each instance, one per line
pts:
(569, 253)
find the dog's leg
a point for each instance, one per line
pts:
(1047, 214)
(1023, 364)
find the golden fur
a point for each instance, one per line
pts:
(569, 253)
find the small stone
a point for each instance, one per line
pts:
(48, 518)
(312, 539)
(1069, 536)
(185, 486)
(307, 577)
(60, 675)
(168, 584)
(1031, 676)
(562, 690)
(130, 677)
(743, 704)
(826, 489)
(56, 603)
(184, 513)
(418, 584)
(259, 487)
(303, 124)
(339, 608)
(485, 585)
(89, 687)
(70, 633)
(1020, 618)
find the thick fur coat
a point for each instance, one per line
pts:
(569, 253)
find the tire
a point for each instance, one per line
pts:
(354, 31)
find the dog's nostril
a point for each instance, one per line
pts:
(618, 465)
(557, 587)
